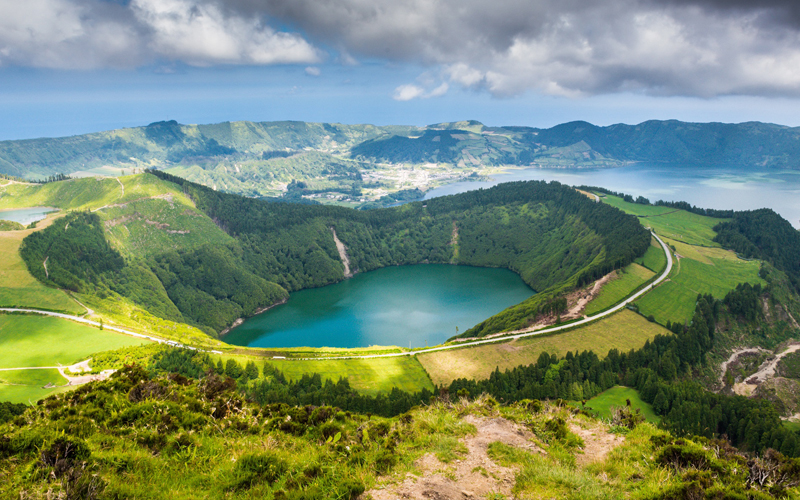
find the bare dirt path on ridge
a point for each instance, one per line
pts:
(474, 475)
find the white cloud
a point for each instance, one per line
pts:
(78, 34)
(506, 47)
(407, 92)
(56, 34)
(313, 71)
(201, 34)
(411, 91)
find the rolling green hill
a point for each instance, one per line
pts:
(185, 253)
(357, 164)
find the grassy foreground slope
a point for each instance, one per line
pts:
(173, 438)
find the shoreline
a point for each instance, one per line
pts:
(239, 321)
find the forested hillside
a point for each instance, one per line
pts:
(551, 235)
(256, 158)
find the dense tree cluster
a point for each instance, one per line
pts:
(71, 253)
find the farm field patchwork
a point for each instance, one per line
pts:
(716, 272)
(624, 330)
(679, 225)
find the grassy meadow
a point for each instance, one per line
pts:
(33, 340)
(369, 376)
(627, 280)
(624, 330)
(654, 258)
(700, 270)
(43, 341)
(617, 396)
(674, 224)
(700, 265)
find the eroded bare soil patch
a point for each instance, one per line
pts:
(474, 476)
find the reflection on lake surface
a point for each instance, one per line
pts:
(405, 306)
(721, 187)
(26, 215)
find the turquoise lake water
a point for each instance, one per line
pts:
(402, 305)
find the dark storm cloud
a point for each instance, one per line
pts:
(506, 47)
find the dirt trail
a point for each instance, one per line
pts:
(82, 367)
(767, 368)
(597, 441)
(474, 476)
(342, 254)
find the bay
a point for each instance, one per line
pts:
(408, 306)
(708, 186)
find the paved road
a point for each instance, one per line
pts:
(531, 333)
(392, 355)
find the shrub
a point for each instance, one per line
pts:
(254, 468)
(385, 461)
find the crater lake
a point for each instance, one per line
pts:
(407, 306)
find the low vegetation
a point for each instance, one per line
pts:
(625, 282)
(606, 403)
(623, 331)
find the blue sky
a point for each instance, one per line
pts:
(75, 66)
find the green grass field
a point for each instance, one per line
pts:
(32, 340)
(654, 258)
(675, 224)
(36, 378)
(701, 267)
(369, 376)
(627, 280)
(624, 330)
(29, 341)
(617, 396)
(720, 272)
(154, 226)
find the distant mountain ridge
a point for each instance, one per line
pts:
(464, 144)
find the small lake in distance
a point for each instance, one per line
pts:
(401, 305)
(26, 215)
